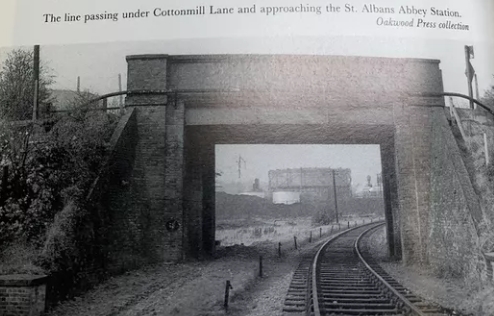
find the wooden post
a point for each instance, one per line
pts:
(295, 241)
(477, 96)
(260, 266)
(227, 293)
(36, 82)
(348, 224)
(335, 198)
(279, 249)
(486, 150)
(331, 230)
(310, 237)
(469, 74)
(320, 231)
(35, 102)
(121, 96)
(78, 84)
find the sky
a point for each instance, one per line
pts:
(98, 65)
(363, 160)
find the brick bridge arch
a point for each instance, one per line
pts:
(184, 105)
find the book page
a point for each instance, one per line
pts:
(247, 157)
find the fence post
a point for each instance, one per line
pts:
(320, 231)
(331, 229)
(310, 237)
(348, 224)
(260, 266)
(279, 249)
(227, 293)
(486, 150)
(295, 241)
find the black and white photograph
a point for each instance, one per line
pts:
(247, 177)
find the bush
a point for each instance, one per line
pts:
(43, 190)
(20, 258)
(323, 217)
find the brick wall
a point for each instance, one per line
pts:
(161, 193)
(22, 295)
(453, 246)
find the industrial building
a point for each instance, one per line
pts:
(313, 184)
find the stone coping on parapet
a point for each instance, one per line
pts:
(20, 280)
(147, 56)
(221, 57)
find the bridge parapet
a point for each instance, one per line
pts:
(392, 102)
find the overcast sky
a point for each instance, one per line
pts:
(363, 160)
(98, 65)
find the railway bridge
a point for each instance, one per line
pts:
(182, 106)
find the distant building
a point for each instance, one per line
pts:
(284, 197)
(370, 190)
(312, 183)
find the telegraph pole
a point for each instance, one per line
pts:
(36, 82)
(121, 96)
(335, 198)
(477, 96)
(470, 72)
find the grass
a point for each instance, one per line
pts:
(276, 231)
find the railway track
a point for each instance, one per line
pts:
(341, 278)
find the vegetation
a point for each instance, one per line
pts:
(44, 172)
(17, 88)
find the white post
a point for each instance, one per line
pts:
(486, 149)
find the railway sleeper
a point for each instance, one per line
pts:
(353, 291)
(347, 288)
(359, 306)
(380, 300)
(336, 296)
(361, 311)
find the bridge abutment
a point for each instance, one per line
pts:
(183, 110)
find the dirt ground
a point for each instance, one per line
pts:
(451, 293)
(198, 288)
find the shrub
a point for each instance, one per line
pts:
(323, 217)
(43, 189)
(20, 257)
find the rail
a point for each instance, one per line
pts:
(315, 299)
(392, 289)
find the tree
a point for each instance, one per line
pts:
(17, 86)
